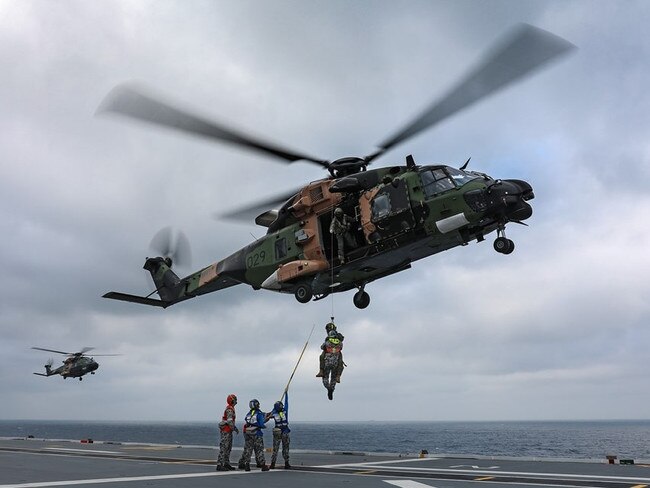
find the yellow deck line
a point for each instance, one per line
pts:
(485, 478)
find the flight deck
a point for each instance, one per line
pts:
(32, 463)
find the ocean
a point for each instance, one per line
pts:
(537, 439)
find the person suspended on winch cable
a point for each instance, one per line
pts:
(226, 427)
(333, 344)
(340, 228)
(254, 437)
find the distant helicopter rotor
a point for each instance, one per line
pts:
(74, 354)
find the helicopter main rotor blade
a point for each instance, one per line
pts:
(52, 350)
(85, 350)
(253, 210)
(103, 355)
(519, 54)
(127, 100)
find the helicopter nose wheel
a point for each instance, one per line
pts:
(361, 299)
(502, 244)
(303, 293)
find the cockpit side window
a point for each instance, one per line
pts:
(435, 182)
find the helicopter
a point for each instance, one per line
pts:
(75, 365)
(399, 213)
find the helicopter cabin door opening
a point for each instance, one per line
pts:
(355, 240)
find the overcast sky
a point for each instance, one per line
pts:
(557, 330)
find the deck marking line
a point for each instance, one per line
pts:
(629, 479)
(407, 484)
(484, 478)
(639, 486)
(373, 471)
(122, 480)
(374, 463)
(149, 448)
(80, 450)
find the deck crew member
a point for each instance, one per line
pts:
(281, 431)
(254, 437)
(226, 427)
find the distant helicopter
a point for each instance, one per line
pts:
(76, 365)
(400, 213)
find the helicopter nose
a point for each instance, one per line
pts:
(524, 189)
(508, 198)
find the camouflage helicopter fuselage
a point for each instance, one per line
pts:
(392, 216)
(72, 368)
(403, 214)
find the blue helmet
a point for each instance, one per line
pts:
(278, 407)
(254, 404)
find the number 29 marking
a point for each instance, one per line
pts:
(255, 259)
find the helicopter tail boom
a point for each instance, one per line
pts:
(169, 286)
(48, 370)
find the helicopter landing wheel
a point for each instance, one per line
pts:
(80, 378)
(504, 245)
(303, 293)
(361, 299)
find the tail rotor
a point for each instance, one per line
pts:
(173, 246)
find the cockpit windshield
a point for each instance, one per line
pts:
(437, 180)
(459, 176)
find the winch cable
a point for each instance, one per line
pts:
(332, 262)
(298, 362)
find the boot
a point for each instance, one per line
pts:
(265, 467)
(320, 373)
(287, 465)
(338, 379)
(330, 394)
(247, 467)
(228, 467)
(221, 468)
(272, 466)
(241, 465)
